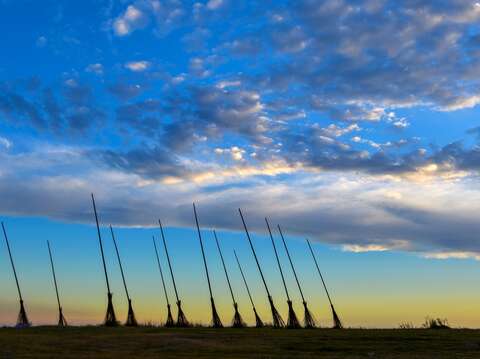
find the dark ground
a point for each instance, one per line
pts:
(98, 342)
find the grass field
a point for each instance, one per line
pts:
(98, 342)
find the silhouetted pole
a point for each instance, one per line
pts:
(292, 322)
(131, 320)
(237, 321)
(309, 321)
(181, 318)
(258, 321)
(110, 318)
(22, 319)
(61, 319)
(277, 319)
(169, 322)
(337, 324)
(216, 322)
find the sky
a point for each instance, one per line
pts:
(351, 123)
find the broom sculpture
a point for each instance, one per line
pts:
(216, 322)
(131, 320)
(61, 319)
(169, 322)
(309, 320)
(258, 321)
(182, 321)
(276, 318)
(292, 322)
(22, 319)
(110, 318)
(237, 321)
(337, 324)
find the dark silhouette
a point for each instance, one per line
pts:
(337, 324)
(131, 320)
(292, 322)
(258, 321)
(216, 322)
(110, 318)
(309, 321)
(237, 321)
(182, 321)
(22, 319)
(277, 319)
(169, 322)
(62, 322)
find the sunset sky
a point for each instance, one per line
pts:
(351, 123)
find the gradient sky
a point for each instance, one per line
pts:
(352, 123)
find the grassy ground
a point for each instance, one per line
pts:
(97, 342)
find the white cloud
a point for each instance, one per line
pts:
(5, 143)
(138, 66)
(214, 4)
(132, 19)
(41, 41)
(95, 68)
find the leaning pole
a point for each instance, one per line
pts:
(182, 321)
(337, 324)
(22, 319)
(62, 322)
(131, 320)
(216, 322)
(110, 318)
(292, 321)
(169, 322)
(258, 321)
(237, 321)
(276, 318)
(309, 320)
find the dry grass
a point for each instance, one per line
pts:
(98, 342)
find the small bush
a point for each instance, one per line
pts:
(406, 325)
(435, 323)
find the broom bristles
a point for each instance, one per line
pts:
(237, 321)
(277, 319)
(169, 322)
(216, 322)
(182, 321)
(62, 322)
(110, 318)
(337, 324)
(258, 321)
(22, 319)
(309, 320)
(131, 320)
(292, 322)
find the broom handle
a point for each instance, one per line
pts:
(53, 273)
(291, 263)
(101, 245)
(161, 272)
(278, 260)
(11, 261)
(203, 252)
(244, 280)
(319, 272)
(168, 260)
(224, 267)
(253, 251)
(120, 263)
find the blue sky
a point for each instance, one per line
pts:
(351, 123)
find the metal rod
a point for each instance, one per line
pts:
(224, 267)
(203, 252)
(120, 263)
(11, 261)
(244, 280)
(291, 263)
(319, 272)
(168, 259)
(253, 251)
(161, 272)
(278, 260)
(101, 245)
(54, 276)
